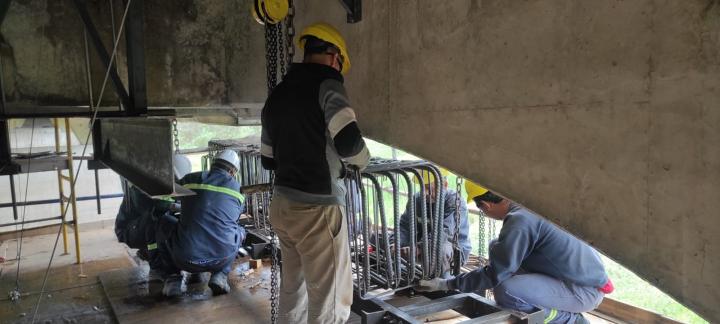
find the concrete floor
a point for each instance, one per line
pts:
(73, 293)
(111, 286)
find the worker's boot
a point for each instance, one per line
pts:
(155, 275)
(173, 285)
(196, 278)
(218, 283)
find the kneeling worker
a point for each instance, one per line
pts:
(449, 227)
(137, 217)
(207, 236)
(533, 264)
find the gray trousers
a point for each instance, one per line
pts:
(560, 301)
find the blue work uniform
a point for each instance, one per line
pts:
(207, 236)
(535, 265)
(134, 224)
(448, 227)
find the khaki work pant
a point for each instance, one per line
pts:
(316, 280)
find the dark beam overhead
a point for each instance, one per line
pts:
(81, 6)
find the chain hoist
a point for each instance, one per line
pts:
(176, 138)
(277, 17)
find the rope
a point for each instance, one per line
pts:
(87, 140)
(22, 227)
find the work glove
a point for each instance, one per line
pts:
(433, 285)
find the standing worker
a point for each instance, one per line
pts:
(449, 227)
(309, 133)
(533, 265)
(207, 235)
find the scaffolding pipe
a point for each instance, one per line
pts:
(60, 189)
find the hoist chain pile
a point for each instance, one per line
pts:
(378, 261)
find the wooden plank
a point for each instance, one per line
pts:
(631, 314)
(134, 300)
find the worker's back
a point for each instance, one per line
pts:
(308, 168)
(208, 227)
(549, 250)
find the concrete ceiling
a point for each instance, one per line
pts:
(602, 116)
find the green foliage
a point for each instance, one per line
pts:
(631, 289)
(194, 135)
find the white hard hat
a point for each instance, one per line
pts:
(181, 165)
(229, 156)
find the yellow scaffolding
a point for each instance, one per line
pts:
(72, 198)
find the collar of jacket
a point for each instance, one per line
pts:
(513, 208)
(221, 171)
(320, 71)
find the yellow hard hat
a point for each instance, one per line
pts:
(329, 34)
(473, 190)
(428, 177)
(272, 11)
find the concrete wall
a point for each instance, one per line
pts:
(600, 115)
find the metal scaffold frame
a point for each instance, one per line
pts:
(72, 198)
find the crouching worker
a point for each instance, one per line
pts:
(207, 236)
(449, 228)
(138, 215)
(534, 265)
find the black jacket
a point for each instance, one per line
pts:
(308, 132)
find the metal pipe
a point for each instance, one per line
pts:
(13, 198)
(61, 192)
(73, 204)
(97, 192)
(55, 201)
(31, 221)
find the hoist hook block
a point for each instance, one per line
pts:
(270, 11)
(354, 10)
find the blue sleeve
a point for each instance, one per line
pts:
(464, 239)
(514, 244)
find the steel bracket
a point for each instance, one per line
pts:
(354, 10)
(140, 150)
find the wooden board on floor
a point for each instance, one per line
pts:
(134, 300)
(631, 314)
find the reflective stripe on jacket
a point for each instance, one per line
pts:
(208, 227)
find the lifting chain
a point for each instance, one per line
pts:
(456, 233)
(275, 261)
(281, 48)
(274, 272)
(483, 245)
(290, 32)
(271, 55)
(176, 139)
